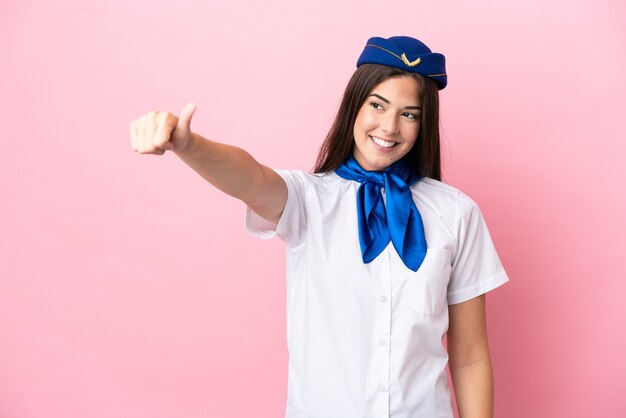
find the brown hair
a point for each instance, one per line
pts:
(424, 157)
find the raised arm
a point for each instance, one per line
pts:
(229, 168)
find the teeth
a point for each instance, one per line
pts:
(383, 143)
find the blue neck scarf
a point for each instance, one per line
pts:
(399, 222)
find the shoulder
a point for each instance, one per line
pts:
(436, 187)
(307, 180)
(443, 195)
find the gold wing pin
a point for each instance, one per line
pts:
(410, 63)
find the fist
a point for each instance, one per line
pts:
(157, 132)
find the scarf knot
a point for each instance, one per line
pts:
(397, 221)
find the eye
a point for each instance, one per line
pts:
(376, 105)
(411, 116)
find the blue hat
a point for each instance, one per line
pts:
(407, 54)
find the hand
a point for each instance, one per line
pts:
(157, 132)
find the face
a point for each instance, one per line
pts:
(388, 123)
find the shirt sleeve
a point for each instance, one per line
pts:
(476, 267)
(292, 223)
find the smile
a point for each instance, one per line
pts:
(383, 143)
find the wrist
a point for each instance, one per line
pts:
(189, 145)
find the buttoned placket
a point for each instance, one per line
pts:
(382, 335)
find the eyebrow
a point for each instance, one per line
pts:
(388, 102)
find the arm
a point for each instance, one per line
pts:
(230, 169)
(470, 363)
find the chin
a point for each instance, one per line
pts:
(379, 165)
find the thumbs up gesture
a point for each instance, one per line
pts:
(157, 132)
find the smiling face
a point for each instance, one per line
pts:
(388, 123)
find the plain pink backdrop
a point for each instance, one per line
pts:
(129, 287)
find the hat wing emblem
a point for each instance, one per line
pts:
(410, 63)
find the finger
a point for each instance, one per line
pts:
(141, 134)
(166, 123)
(185, 116)
(167, 146)
(151, 129)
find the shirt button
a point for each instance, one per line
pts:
(383, 298)
(383, 341)
(383, 388)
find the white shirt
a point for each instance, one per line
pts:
(365, 340)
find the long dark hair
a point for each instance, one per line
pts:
(424, 157)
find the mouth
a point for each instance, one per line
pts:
(383, 142)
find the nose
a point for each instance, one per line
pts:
(389, 124)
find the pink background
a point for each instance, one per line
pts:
(129, 287)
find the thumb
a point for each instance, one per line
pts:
(184, 120)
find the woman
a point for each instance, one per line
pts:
(383, 259)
